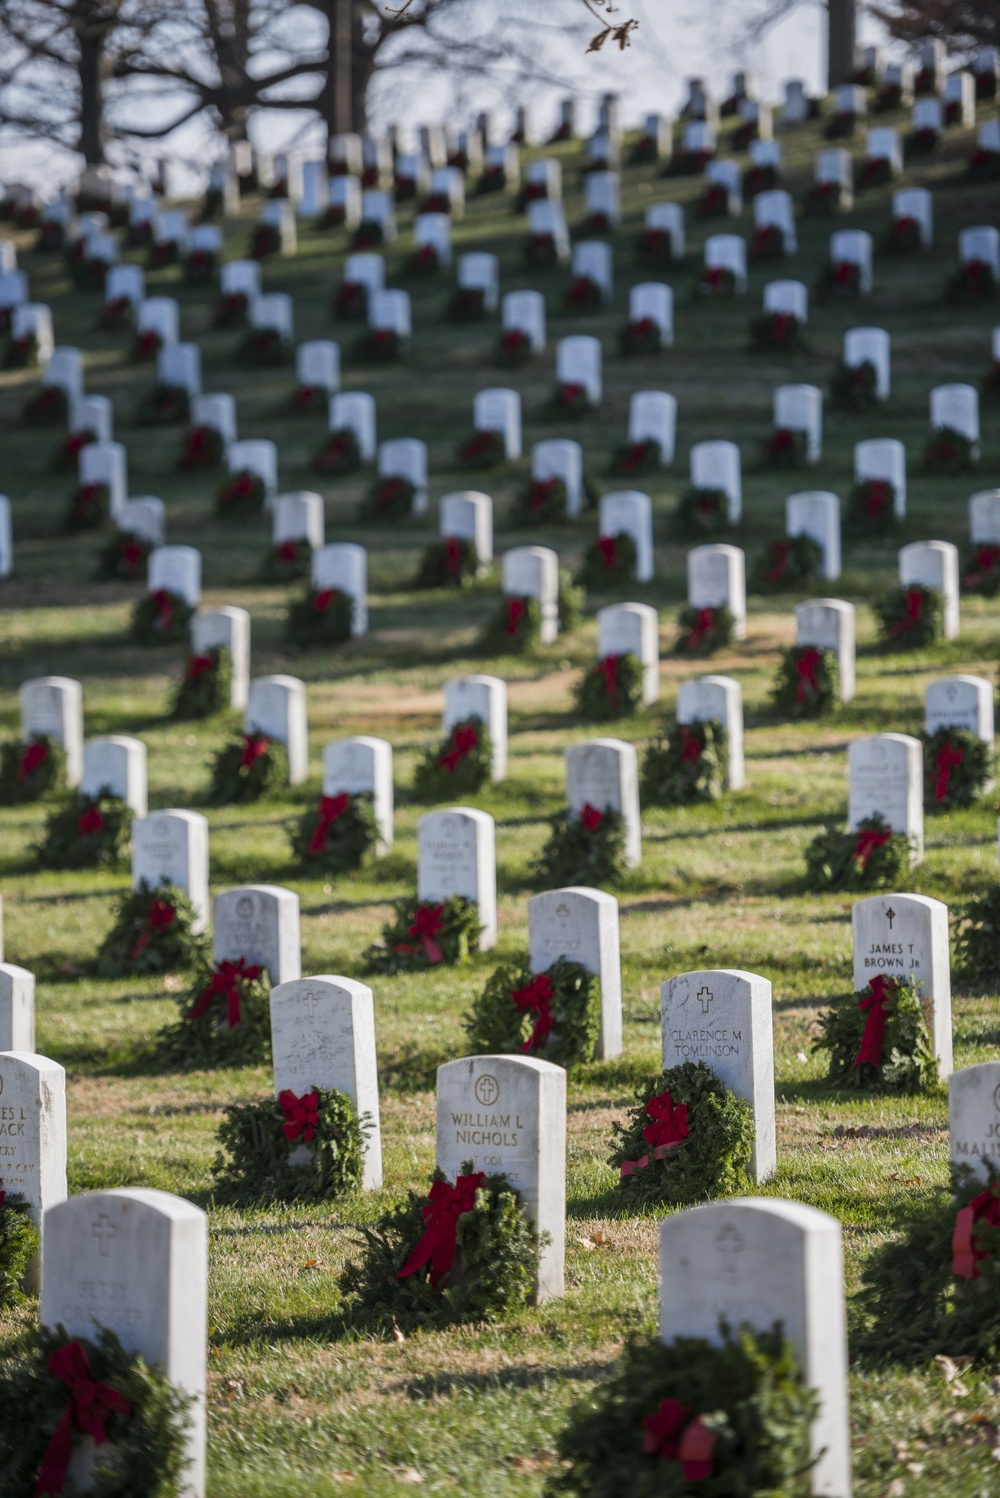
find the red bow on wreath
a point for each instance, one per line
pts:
(90, 821)
(452, 556)
(668, 1129)
(159, 915)
(949, 757)
(691, 746)
(591, 817)
(516, 608)
(608, 669)
(914, 612)
(287, 551)
(164, 605)
(301, 1114)
(445, 1205)
(700, 628)
(32, 757)
(806, 666)
(867, 841)
(427, 922)
(463, 741)
(536, 997)
(90, 1404)
(607, 547)
(227, 980)
(542, 491)
(198, 665)
(778, 549)
(330, 808)
(322, 600)
(676, 1434)
(255, 745)
(875, 1005)
(983, 1208)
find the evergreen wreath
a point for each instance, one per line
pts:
(380, 346)
(555, 1015)
(854, 386)
(225, 1019)
(257, 1141)
(634, 458)
(137, 1418)
(340, 453)
(467, 304)
(334, 836)
(586, 847)
(704, 631)
(977, 944)
(871, 857)
(690, 764)
(871, 508)
(152, 933)
(610, 688)
(86, 832)
(230, 310)
(240, 495)
(716, 281)
(124, 558)
(31, 771)
(423, 261)
(643, 335)
(584, 295)
(203, 448)
(351, 302)
(206, 686)
(459, 766)
(981, 572)
(47, 407)
(842, 279)
(786, 447)
(608, 560)
(426, 933)
(163, 405)
(286, 561)
(322, 616)
(702, 512)
(67, 454)
(957, 765)
(656, 247)
(517, 627)
(264, 347)
(686, 1139)
(450, 562)
(788, 562)
(251, 767)
(514, 348)
(22, 353)
(88, 508)
(714, 201)
(19, 1242)
(484, 449)
(160, 618)
(937, 1283)
(768, 243)
(571, 399)
(878, 1038)
(688, 1417)
(910, 616)
(975, 281)
(390, 499)
(775, 330)
(948, 451)
(426, 1264)
(807, 684)
(904, 236)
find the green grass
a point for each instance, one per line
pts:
(293, 1408)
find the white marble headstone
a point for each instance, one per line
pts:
(229, 628)
(799, 408)
(499, 410)
(974, 1116)
(960, 702)
(171, 847)
(716, 465)
(298, 517)
(869, 346)
(344, 566)
(828, 624)
(33, 1141)
(468, 515)
(883, 458)
(702, 698)
(886, 779)
(116, 764)
(456, 855)
(717, 578)
(533, 572)
(906, 936)
(363, 764)
(17, 1025)
(652, 415)
(604, 773)
(485, 698)
(259, 922)
(628, 512)
(561, 458)
(178, 570)
(53, 705)
(525, 311)
(934, 564)
(816, 513)
(581, 925)
(276, 707)
(354, 411)
(632, 629)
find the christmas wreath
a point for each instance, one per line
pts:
(922, 142)
(514, 348)
(264, 347)
(876, 171)
(585, 847)
(555, 1015)
(161, 617)
(200, 267)
(686, 163)
(241, 494)
(775, 330)
(878, 1038)
(768, 243)
(88, 508)
(808, 682)
(854, 387)
(322, 616)
(873, 856)
(225, 1018)
(517, 627)
(163, 405)
(463, 1252)
(704, 631)
(340, 453)
(203, 448)
(459, 766)
(948, 451)
(889, 96)
(584, 295)
(19, 1242)
(68, 1390)
(825, 199)
(841, 278)
(690, 1416)
(716, 281)
(788, 562)
(206, 686)
(250, 767)
(542, 502)
(702, 512)
(424, 261)
(467, 304)
(390, 499)
(690, 764)
(610, 688)
(714, 201)
(484, 449)
(786, 447)
(977, 944)
(70, 448)
(47, 407)
(305, 400)
(634, 458)
(758, 179)
(981, 573)
(124, 558)
(975, 281)
(265, 241)
(427, 933)
(146, 345)
(369, 234)
(984, 165)
(597, 222)
(910, 616)
(645, 150)
(957, 765)
(656, 247)
(289, 1148)
(687, 1138)
(571, 399)
(904, 236)
(86, 832)
(607, 561)
(642, 335)
(448, 563)
(286, 561)
(231, 310)
(871, 508)
(31, 771)
(334, 836)
(152, 933)
(351, 302)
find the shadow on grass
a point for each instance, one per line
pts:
(434, 1384)
(412, 1069)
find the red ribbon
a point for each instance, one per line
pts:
(668, 1129)
(606, 547)
(288, 551)
(778, 549)
(675, 1434)
(807, 663)
(463, 741)
(536, 997)
(700, 628)
(330, 808)
(452, 556)
(591, 817)
(983, 1208)
(227, 981)
(90, 1404)
(914, 612)
(159, 915)
(90, 821)
(322, 600)
(254, 746)
(987, 558)
(164, 605)
(516, 608)
(867, 841)
(949, 757)
(437, 1244)
(875, 1005)
(608, 669)
(33, 756)
(426, 924)
(691, 746)
(197, 666)
(301, 1114)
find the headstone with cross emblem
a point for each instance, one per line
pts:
(136, 1262)
(172, 847)
(362, 764)
(485, 698)
(582, 926)
(974, 1116)
(33, 1135)
(960, 702)
(323, 1035)
(456, 855)
(17, 1009)
(604, 774)
(886, 779)
(722, 1016)
(53, 705)
(507, 1114)
(906, 936)
(758, 1261)
(260, 923)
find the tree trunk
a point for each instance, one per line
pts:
(91, 70)
(842, 21)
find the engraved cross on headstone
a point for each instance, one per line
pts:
(103, 1230)
(729, 1243)
(705, 997)
(310, 1002)
(890, 916)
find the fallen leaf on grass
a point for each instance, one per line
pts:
(343, 1477)
(540, 1462)
(801, 1056)
(587, 1243)
(906, 1180)
(408, 1474)
(173, 983)
(397, 1334)
(915, 1467)
(896, 1488)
